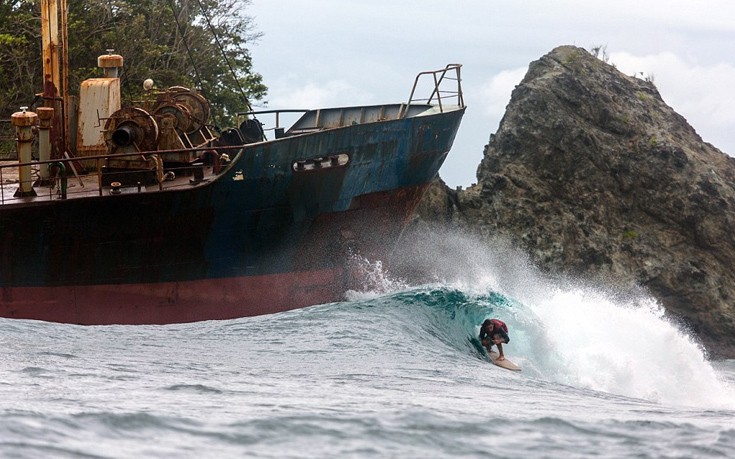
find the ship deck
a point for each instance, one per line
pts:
(88, 184)
(97, 181)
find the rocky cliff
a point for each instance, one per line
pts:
(594, 176)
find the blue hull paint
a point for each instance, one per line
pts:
(260, 217)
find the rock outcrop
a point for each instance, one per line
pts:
(594, 176)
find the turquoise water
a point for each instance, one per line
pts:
(392, 372)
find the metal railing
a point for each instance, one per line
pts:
(277, 113)
(452, 72)
(91, 181)
(440, 94)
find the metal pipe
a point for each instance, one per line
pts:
(124, 136)
(24, 122)
(64, 77)
(159, 170)
(110, 64)
(99, 175)
(46, 119)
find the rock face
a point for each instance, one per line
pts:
(594, 176)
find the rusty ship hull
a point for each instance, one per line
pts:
(274, 229)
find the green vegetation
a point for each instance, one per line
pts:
(642, 96)
(169, 41)
(7, 141)
(573, 61)
(19, 33)
(630, 234)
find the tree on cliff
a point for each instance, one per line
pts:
(20, 75)
(195, 43)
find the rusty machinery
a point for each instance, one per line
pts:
(176, 123)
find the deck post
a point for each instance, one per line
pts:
(24, 123)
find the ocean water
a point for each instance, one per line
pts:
(392, 372)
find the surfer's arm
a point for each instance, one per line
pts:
(484, 340)
(500, 351)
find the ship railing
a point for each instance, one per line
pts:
(93, 181)
(278, 129)
(325, 118)
(440, 95)
(444, 86)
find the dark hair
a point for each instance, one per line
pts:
(504, 336)
(486, 323)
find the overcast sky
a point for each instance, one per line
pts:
(318, 53)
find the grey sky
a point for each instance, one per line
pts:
(346, 52)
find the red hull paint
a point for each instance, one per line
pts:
(174, 302)
(261, 237)
(387, 213)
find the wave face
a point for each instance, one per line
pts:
(393, 371)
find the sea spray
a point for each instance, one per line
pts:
(373, 279)
(629, 349)
(387, 376)
(564, 330)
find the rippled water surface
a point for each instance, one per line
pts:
(389, 374)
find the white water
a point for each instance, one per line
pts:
(627, 349)
(581, 335)
(390, 373)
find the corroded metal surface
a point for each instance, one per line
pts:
(211, 250)
(165, 220)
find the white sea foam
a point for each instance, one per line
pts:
(374, 280)
(583, 336)
(629, 349)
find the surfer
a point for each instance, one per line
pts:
(494, 331)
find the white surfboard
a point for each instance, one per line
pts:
(507, 364)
